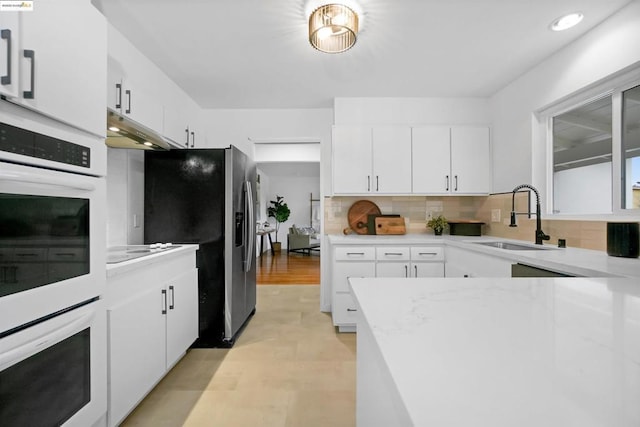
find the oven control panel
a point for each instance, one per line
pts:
(32, 144)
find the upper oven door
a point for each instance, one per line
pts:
(52, 242)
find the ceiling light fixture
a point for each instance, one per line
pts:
(567, 21)
(333, 28)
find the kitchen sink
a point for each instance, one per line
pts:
(513, 246)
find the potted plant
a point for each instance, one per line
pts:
(280, 211)
(438, 224)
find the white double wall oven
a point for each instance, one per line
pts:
(52, 273)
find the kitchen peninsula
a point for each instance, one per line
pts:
(498, 352)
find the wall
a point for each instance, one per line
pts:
(295, 182)
(125, 197)
(608, 48)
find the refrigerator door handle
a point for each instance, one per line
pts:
(251, 227)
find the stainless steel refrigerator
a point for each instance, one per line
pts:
(206, 196)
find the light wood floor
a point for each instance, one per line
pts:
(289, 368)
(285, 269)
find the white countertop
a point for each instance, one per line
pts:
(575, 261)
(152, 258)
(508, 352)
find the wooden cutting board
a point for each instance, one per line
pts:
(358, 215)
(387, 225)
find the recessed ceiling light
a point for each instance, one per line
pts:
(148, 144)
(567, 21)
(114, 129)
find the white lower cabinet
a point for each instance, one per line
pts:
(149, 329)
(464, 263)
(349, 262)
(381, 261)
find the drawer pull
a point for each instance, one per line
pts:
(352, 309)
(393, 253)
(355, 253)
(428, 253)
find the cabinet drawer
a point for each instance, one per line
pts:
(392, 253)
(344, 310)
(355, 253)
(427, 253)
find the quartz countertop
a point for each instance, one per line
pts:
(508, 352)
(573, 261)
(151, 257)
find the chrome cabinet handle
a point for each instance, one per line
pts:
(193, 139)
(128, 93)
(173, 298)
(377, 184)
(447, 185)
(406, 271)
(352, 309)
(368, 182)
(164, 301)
(456, 187)
(30, 94)
(393, 253)
(187, 132)
(6, 35)
(355, 253)
(118, 96)
(415, 268)
(427, 253)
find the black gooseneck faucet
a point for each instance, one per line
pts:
(540, 236)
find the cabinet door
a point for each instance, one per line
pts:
(137, 344)
(392, 269)
(431, 160)
(176, 126)
(391, 160)
(65, 75)
(343, 270)
(351, 160)
(9, 47)
(427, 269)
(182, 314)
(470, 160)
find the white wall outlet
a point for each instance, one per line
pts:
(136, 221)
(495, 215)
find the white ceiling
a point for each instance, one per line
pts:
(256, 54)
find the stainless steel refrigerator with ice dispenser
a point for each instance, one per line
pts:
(206, 196)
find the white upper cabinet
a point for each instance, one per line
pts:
(371, 160)
(391, 153)
(9, 31)
(132, 83)
(470, 160)
(451, 160)
(181, 123)
(431, 159)
(57, 63)
(351, 159)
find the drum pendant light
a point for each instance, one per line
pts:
(333, 28)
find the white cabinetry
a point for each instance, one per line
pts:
(181, 125)
(465, 263)
(451, 160)
(383, 261)
(132, 83)
(152, 319)
(349, 262)
(371, 160)
(57, 69)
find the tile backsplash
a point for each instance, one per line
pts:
(580, 234)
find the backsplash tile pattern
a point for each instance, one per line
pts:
(579, 234)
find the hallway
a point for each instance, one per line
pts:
(288, 269)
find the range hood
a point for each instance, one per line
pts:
(122, 132)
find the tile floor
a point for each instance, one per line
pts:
(289, 368)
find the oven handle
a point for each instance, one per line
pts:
(34, 178)
(19, 353)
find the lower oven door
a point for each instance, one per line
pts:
(54, 372)
(52, 242)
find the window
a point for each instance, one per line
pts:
(595, 142)
(631, 148)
